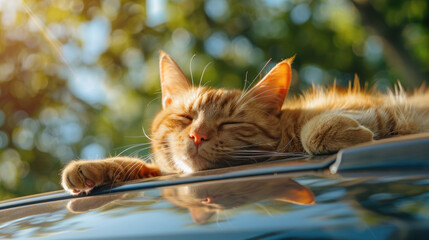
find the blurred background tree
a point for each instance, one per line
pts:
(79, 79)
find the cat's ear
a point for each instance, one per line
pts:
(271, 91)
(200, 215)
(297, 194)
(173, 81)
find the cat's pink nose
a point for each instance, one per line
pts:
(198, 137)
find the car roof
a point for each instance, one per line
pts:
(402, 152)
(355, 196)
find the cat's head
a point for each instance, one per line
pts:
(201, 128)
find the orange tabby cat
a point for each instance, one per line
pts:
(201, 128)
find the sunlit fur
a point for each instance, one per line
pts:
(326, 120)
(320, 121)
(242, 127)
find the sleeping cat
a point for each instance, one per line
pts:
(202, 128)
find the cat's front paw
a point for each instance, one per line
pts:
(330, 133)
(82, 176)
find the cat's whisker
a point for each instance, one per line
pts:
(147, 136)
(129, 147)
(251, 83)
(136, 152)
(204, 70)
(133, 146)
(290, 142)
(148, 157)
(126, 167)
(260, 151)
(244, 147)
(258, 96)
(245, 83)
(190, 69)
(116, 173)
(121, 169)
(233, 161)
(253, 145)
(205, 83)
(233, 158)
(150, 102)
(263, 208)
(130, 171)
(227, 216)
(135, 137)
(247, 155)
(243, 92)
(253, 98)
(217, 219)
(252, 150)
(265, 156)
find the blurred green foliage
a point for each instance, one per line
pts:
(79, 79)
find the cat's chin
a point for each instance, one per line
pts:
(191, 163)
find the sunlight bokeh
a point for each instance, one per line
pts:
(79, 79)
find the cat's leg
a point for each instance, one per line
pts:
(83, 175)
(328, 133)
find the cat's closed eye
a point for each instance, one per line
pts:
(183, 118)
(237, 126)
(229, 125)
(188, 117)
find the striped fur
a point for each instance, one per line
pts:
(250, 126)
(319, 115)
(202, 128)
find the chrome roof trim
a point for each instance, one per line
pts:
(252, 170)
(396, 152)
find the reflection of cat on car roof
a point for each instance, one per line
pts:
(203, 200)
(203, 128)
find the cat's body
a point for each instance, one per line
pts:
(329, 120)
(201, 128)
